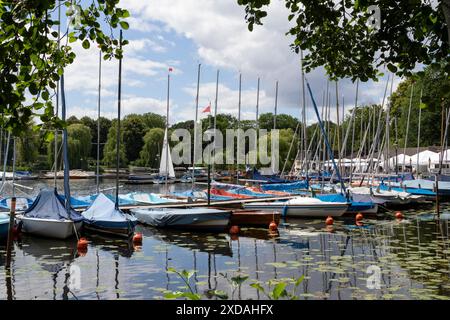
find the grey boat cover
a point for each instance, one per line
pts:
(48, 205)
(178, 217)
(104, 209)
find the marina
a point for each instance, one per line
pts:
(225, 150)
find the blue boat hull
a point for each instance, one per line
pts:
(119, 228)
(4, 227)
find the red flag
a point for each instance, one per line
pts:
(170, 69)
(207, 109)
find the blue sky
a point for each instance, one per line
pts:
(183, 33)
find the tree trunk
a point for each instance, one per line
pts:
(446, 10)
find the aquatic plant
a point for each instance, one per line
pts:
(276, 289)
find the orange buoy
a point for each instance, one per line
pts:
(234, 230)
(273, 226)
(82, 244)
(359, 217)
(399, 215)
(137, 238)
(329, 221)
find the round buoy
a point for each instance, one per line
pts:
(234, 230)
(137, 238)
(399, 215)
(273, 226)
(359, 217)
(82, 244)
(329, 221)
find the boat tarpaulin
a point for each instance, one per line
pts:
(177, 217)
(103, 209)
(49, 205)
(285, 186)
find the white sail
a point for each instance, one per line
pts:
(166, 159)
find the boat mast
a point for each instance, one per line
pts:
(65, 151)
(275, 123)
(407, 125)
(418, 130)
(353, 133)
(57, 108)
(195, 126)
(166, 135)
(238, 127)
(215, 119)
(257, 108)
(305, 137)
(119, 98)
(98, 120)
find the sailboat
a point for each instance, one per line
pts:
(50, 215)
(104, 215)
(166, 170)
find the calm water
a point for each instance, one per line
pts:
(413, 257)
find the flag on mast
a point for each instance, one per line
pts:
(207, 109)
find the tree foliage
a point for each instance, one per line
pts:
(150, 154)
(33, 55)
(341, 36)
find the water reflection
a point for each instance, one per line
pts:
(413, 257)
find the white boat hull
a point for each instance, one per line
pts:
(49, 228)
(300, 210)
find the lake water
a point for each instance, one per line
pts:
(384, 259)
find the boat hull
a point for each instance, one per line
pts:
(49, 228)
(4, 228)
(214, 221)
(121, 229)
(301, 210)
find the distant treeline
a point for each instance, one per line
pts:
(142, 134)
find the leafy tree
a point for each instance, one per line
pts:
(32, 62)
(341, 36)
(284, 121)
(151, 151)
(78, 145)
(27, 147)
(153, 120)
(109, 156)
(435, 87)
(72, 120)
(105, 124)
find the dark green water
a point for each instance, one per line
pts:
(412, 256)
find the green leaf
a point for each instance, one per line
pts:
(279, 291)
(423, 106)
(392, 68)
(257, 286)
(124, 25)
(239, 280)
(299, 280)
(86, 44)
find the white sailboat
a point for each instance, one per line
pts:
(166, 165)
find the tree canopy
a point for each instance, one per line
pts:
(346, 39)
(33, 55)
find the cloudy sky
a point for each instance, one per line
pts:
(183, 33)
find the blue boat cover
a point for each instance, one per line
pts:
(49, 205)
(337, 197)
(288, 187)
(179, 217)
(104, 209)
(268, 179)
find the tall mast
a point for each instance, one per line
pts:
(166, 134)
(407, 126)
(119, 100)
(215, 118)
(353, 133)
(257, 108)
(337, 125)
(276, 107)
(239, 127)
(195, 125)
(57, 109)
(305, 137)
(418, 130)
(98, 120)
(388, 127)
